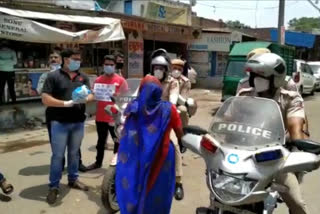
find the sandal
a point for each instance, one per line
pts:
(6, 188)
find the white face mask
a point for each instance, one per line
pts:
(261, 84)
(176, 73)
(159, 74)
(55, 66)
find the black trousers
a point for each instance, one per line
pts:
(48, 122)
(7, 77)
(103, 129)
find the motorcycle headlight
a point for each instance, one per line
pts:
(231, 189)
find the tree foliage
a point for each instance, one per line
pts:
(305, 24)
(237, 24)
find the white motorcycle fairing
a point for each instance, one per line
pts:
(244, 152)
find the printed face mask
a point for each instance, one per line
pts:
(74, 65)
(108, 69)
(159, 74)
(261, 84)
(176, 73)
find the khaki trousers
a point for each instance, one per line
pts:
(183, 112)
(293, 198)
(178, 165)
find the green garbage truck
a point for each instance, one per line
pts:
(238, 57)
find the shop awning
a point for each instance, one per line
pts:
(297, 39)
(13, 27)
(243, 48)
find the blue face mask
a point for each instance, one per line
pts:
(74, 65)
(108, 69)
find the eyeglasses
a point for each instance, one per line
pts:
(109, 64)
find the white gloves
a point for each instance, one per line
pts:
(69, 103)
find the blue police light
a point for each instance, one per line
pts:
(269, 155)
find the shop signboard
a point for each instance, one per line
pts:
(219, 42)
(156, 28)
(20, 29)
(135, 55)
(133, 25)
(168, 12)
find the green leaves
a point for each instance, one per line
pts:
(305, 24)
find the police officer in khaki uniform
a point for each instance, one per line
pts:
(184, 87)
(267, 73)
(160, 68)
(289, 84)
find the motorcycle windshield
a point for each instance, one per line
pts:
(249, 122)
(128, 92)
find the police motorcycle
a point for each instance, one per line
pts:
(244, 150)
(116, 110)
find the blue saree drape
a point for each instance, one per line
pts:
(141, 143)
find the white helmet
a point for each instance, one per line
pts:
(160, 60)
(160, 57)
(268, 65)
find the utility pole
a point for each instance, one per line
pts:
(281, 27)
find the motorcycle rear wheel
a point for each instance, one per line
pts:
(108, 191)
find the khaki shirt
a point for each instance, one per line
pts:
(184, 86)
(170, 90)
(290, 102)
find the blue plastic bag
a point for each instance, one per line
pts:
(80, 94)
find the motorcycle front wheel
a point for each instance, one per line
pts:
(108, 191)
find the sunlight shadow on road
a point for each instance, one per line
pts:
(94, 174)
(109, 147)
(92, 148)
(35, 170)
(39, 193)
(94, 195)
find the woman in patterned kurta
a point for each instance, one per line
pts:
(145, 174)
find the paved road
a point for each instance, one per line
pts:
(27, 169)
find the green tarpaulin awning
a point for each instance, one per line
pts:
(242, 49)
